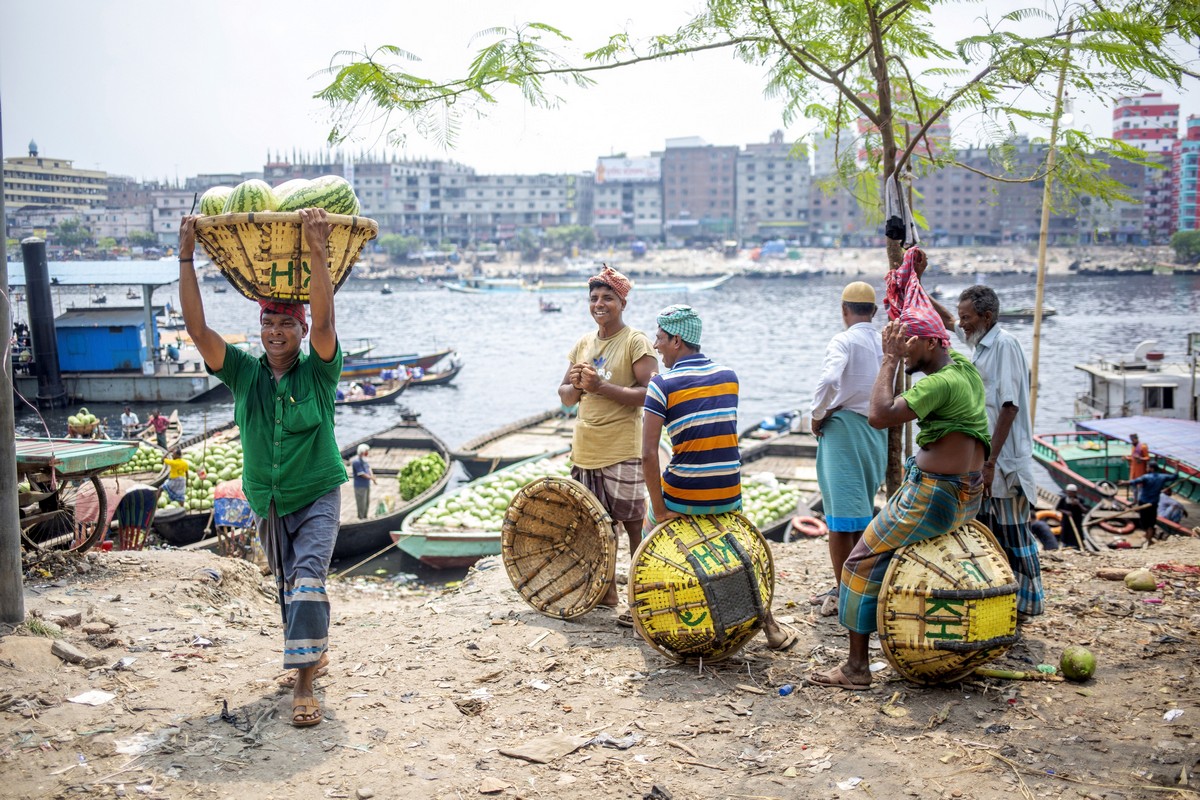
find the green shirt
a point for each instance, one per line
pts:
(950, 400)
(290, 455)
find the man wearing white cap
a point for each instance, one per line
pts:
(1072, 510)
(851, 455)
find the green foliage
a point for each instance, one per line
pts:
(142, 239)
(526, 242)
(1187, 247)
(71, 233)
(562, 238)
(106, 243)
(398, 247)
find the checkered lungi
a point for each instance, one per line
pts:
(299, 547)
(619, 487)
(926, 505)
(1008, 519)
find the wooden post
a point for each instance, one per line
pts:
(12, 590)
(1047, 198)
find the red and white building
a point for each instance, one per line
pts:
(1151, 125)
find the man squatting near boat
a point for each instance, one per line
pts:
(607, 377)
(283, 405)
(696, 401)
(1009, 486)
(851, 455)
(943, 483)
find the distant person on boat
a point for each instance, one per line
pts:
(356, 391)
(851, 455)
(129, 424)
(1071, 507)
(364, 476)
(368, 389)
(176, 484)
(1149, 490)
(1010, 486)
(607, 376)
(283, 401)
(1139, 457)
(159, 424)
(704, 475)
(943, 483)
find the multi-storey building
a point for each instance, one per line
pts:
(699, 199)
(959, 204)
(1186, 163)
(119, 223)
(1151, 125)
(36, 180)
(125, 192)
(170, 206)
(772, 191)
(627, 199)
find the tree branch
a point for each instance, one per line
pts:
(943, 108)
(999, 179)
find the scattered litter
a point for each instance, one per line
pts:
(200, 641)
(124, 663)
(143, 742)
(541, 686)
(997, 728)
(1173, 714)
(849, 783)
(93, 698)
(878, 665)
(605, 740)
(786, 689)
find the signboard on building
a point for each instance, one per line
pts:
(628, 170)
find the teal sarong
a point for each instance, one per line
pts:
(851, 464)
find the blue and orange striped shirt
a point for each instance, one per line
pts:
(697, 401)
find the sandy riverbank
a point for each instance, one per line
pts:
(427, 691)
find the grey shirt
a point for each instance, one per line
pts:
(1005, 371)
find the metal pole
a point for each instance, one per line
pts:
(12, 592)
(51, 393)
(1045, 233)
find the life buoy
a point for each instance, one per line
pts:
(809, 526)
(1120, 528)
(1054, 515)
(1053, 520)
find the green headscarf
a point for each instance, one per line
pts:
(681, 321)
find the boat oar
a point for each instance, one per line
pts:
(371, 557)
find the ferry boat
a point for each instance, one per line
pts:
(1144, 383)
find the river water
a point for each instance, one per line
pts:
(771, 332)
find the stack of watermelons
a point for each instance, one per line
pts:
(332, 193)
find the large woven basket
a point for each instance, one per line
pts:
(264, 254)
(559, 547)
(947, 605)
(700, 587)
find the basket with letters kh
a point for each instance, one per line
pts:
(559, 547)
(264, 254)
(947, 605)
(700, 587)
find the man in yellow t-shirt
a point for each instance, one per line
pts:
(608, 374)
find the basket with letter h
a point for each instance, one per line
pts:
(700, 587)
(264, 254)
(947, 605)
(559, 547)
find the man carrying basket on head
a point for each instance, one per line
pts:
(943, 483)
(696, 401)
(608, 374)
(283, 404)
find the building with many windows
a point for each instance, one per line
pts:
(772, 195)
(627, 199)
(1186, 164)
(1151, 125)
(35, 180)
(699, 198)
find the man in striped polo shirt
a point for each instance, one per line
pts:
(696, 401)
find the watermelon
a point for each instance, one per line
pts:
(284, 190)
(249, 196)
(212, 202)
(330, 192)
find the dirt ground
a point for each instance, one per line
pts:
(429, 692)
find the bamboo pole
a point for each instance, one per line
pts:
(1045, 232)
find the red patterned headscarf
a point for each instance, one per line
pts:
(613, 280)
(907, 302)
(279, 307)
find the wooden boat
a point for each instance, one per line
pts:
(525, 438)
(1024, 314)
(385, 392)
(792, 459)
(390, 451)
(386, 289)
(447, 548)
(132, 294)
(547, 307)
(369, 367)
(174, 432)
(437, 378)
(1095, 458)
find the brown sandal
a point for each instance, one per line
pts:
(306, 712)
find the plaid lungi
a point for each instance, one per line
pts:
(619, 487)
(299, 547)
(926, 505)
(1008, 519)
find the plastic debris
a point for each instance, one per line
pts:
(93, 698)
(786, 689)
(849, 783)
(1173, 714)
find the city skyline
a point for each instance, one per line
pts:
(127, 94)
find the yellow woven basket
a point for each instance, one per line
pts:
(264, 254)
(947, 605)
(700, 587)
(559, 547)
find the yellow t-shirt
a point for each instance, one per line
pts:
(178, 466)
(607, 432)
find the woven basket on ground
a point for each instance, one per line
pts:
(264, 254)
(700, 587)
(947, 605)
(559, 547)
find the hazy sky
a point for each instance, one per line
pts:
(165, 89)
